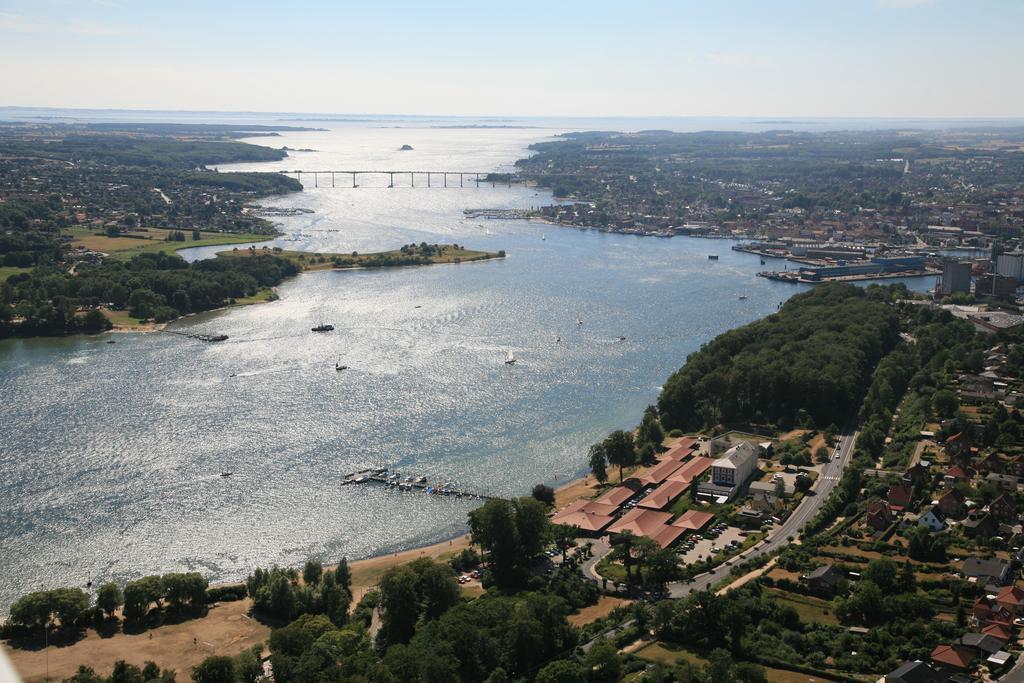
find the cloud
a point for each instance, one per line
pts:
(19, 23)
(738, 60)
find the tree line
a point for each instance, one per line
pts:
(807, 364)
(161, 286)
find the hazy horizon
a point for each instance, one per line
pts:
(794, 58)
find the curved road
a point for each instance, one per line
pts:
(791, 528)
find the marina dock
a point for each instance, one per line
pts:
(394, 480)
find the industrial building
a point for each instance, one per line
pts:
(956, 277)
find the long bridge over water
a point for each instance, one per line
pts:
(447, 178)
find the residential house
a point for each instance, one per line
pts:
(951, 503)
(914, 672)
(1003, 482)
(955, 474)
(1002, 508)
(878, 516)
(979, 526)
(932, 518)
(999, 631)
(1015, 466)
(956, 444)
(952, 657)
(982, 644)
(990, 463)
(1011, 599)
(986, 571)
(916, 475)
(899, 497)
(824, 580)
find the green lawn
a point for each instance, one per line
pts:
(669, 653)
(7, 271)
(810, 609)
(151, 240)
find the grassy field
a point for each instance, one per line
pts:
(325, 261)
(7, 271)
(668, 653)
(810, 609)
(151, 240)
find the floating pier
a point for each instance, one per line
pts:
(200, 337)
(394, 480)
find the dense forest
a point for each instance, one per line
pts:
(47, 301)
(808, 363)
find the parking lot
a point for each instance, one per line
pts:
(702, 547)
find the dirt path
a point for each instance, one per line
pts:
(750, 576)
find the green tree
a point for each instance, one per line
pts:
(564, 537)
(215, 669)
(343, 575)
(398, 605)
(602, 664)
(312, 572)
(599, 463)
(109, 598)
(562, 671)
(945, 403)
(620, 450)
(544, 494)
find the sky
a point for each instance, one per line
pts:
(849, 58)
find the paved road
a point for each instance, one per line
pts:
(780, 535)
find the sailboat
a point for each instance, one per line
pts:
(339, 367)
(510, 359)
(543, 237)
(579, 321)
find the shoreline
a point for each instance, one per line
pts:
(371, 567)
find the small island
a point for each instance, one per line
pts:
(422, 254)
(405, 148)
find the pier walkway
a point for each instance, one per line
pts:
(200, 336)
(382, 475)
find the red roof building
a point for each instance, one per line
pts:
(693, 520)
(653, 476)
(1011, 599)
(621, 493)
(641, 522)
(900, 496)
(954, 657)
(998, 631)
(590, 516)
(682, 449)
(649, 524)
(878, 516)
(692, 470)
(951, 503)
(956, 472)
(663, 496)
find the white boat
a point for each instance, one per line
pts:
(543, 237)
(510, 359)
